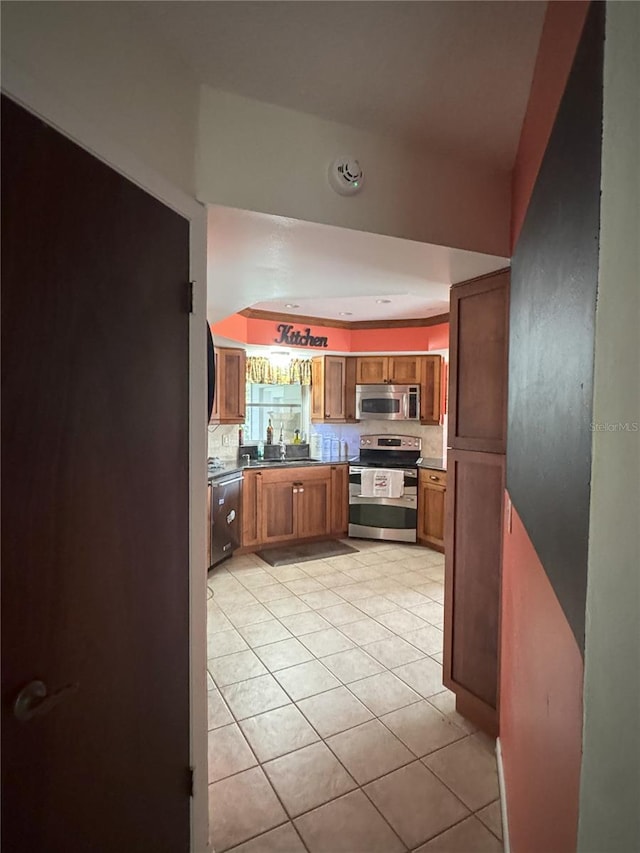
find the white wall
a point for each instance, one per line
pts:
(269, 159)
(610, 781)
(104, 62)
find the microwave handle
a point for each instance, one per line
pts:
(405, 406)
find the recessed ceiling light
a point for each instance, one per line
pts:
(291, 305)
(383, 301)
(346, 313)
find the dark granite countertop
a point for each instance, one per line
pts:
(436, 464)
(233, 467)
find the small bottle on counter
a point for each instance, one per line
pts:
(296, 436)
(260, 449)
(241, 436)
(269, 433)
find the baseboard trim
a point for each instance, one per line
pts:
(503, 799)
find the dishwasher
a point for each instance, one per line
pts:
(226, 516)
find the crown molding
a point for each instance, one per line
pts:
(276, 316)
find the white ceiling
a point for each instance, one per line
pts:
(454, 76)
(264, 261)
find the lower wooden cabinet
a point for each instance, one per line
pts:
(312, 503)
(286, 504)
(473, 570)
(339, 500)
(432, 487)
(279, 508)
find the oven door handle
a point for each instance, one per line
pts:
(382, 497)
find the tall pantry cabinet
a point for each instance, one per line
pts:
(479, 317)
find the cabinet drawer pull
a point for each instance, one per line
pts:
(433, 477)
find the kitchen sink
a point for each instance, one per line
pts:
(268, 463)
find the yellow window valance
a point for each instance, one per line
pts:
(262, 372)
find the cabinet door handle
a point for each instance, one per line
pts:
(295, 491)
(301, 490)
(433, 477)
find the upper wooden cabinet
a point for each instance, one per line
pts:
(431, 389)
(350, 390)
(229, 402)
(392, 369)
(328, 380)
(479, 363)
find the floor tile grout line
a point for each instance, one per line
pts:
(446, 785)
(442, 832)
(347, 685)
(476, 813)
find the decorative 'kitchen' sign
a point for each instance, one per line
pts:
(294, 337)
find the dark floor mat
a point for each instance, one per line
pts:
(304, 552)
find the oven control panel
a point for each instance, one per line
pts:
(390, 442)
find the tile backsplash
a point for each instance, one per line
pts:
(217, 436)
(433, 437)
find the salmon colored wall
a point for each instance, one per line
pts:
(560, 35)
(400, 340)
(540, 704)
(233, 327)
(541, 673)
(409, 339)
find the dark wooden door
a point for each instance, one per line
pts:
(95, 510)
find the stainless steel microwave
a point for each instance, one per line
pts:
(388, 402)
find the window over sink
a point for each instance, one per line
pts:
(288, 406)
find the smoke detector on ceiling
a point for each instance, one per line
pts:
(346, 175)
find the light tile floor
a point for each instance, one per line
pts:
(330, 730)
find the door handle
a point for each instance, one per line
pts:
(34, 701)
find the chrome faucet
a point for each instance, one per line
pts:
(283, 449)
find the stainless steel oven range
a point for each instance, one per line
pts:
(383, 488)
